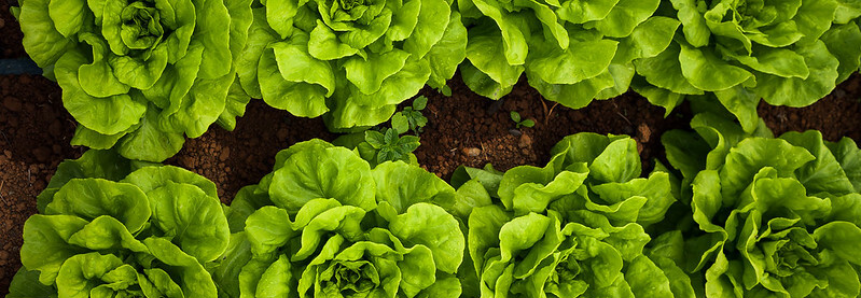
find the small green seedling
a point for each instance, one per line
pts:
(411, 118)
(390, 146)
(445, 90)
(515, 116)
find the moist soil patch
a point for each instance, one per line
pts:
(464, 129)
(10, 34)
(242, 157)
(35, 131)
(837, 115)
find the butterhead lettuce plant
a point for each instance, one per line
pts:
(572, 51)
(774, 217)
(352, 60)
(138, 75)
(790, 53)
(574, 228)
(150, 233)
(324, 224)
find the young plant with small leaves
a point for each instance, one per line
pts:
(390, 146)
(515, 116)
(411, 118)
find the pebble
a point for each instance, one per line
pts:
(645, 132)
(473, 152)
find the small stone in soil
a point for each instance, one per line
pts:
(645, 132)
(515, 132)
(473, 152)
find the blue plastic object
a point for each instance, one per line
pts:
(19, 67)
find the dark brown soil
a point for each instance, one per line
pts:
(837, 115)
(239, 158)
(35, 131)
(10, 34)
(466, 129)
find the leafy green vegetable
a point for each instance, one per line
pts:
(788, 52)
(138, 75)
(773, 217)
(572, 51)
(122, 231)
(325, 224)
(574, 228)
(352, 60)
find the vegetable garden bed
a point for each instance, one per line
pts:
(463, 129)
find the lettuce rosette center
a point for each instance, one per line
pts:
(141, 27)
(350, 279)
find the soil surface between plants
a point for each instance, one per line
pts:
(464, 129)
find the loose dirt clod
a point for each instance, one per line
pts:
(525, 141)
(29, 154)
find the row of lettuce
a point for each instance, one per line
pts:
(735, 214)
(141, 75)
